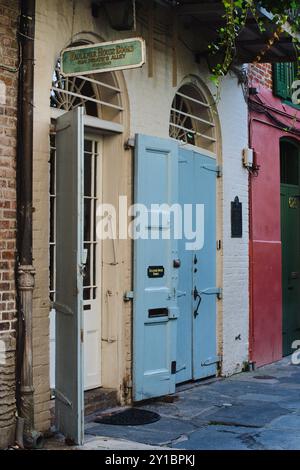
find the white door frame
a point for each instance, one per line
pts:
(93, 307)
(95, 129)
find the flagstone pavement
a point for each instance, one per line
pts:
(257, 410)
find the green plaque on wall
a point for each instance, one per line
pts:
(103, 57)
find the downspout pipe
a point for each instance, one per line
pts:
(25, 269)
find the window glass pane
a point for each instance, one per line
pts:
(52, 171)
(87, 174)
(94, 270)
(52, 253)
(52, 219)
(289, 163)
(88, 146)
(292, 168)
(87, 277)
(282, 168)
(87, 220)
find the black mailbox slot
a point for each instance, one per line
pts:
(158, 312)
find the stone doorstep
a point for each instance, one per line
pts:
(97, 400)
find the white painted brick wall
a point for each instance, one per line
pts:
(233, 116)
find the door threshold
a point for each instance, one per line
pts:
(196, 383)
(99, 399)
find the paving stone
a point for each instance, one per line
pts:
(249, 414)
(274, 440)
(290, 386)
(260, 397)
(161, 432)
(290, 404)
(294, 379)
(212, 439)
(143, 436)
(238, 413)
(291, 421)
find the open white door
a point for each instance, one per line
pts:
(69, 403)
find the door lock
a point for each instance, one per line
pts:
(198, 297)
(176, 263)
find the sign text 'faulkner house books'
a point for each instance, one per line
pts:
(103, 57)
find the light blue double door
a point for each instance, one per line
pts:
(174, 327)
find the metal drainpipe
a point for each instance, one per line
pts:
(25, 274)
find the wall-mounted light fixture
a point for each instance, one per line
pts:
(121, 14)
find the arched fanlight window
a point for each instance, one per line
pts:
(191, 118)
(98, 93)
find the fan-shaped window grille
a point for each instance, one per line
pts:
(98, 93)
(191, 119)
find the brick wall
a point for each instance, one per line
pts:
(8, 118)
(262, 74)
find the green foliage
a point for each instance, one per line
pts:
(236, 13)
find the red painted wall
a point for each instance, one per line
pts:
(265, 229)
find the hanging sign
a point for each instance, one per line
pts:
(103, 57)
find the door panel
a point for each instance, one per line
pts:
(290, 217)
(92, 278)
(69, 412)
(185, 281)
(155, 279)
(196, 342)
(204, 327)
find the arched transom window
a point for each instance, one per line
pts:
(98, 93)
(192, 118)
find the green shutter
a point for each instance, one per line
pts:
(284, 75)
(280, 80)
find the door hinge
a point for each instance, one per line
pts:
(218, 291)
(173, 367)
(129, 295)
(61, 397)
(129, 144)
(211, 360)
(219, 170)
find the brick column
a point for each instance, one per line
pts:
(9, 12)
